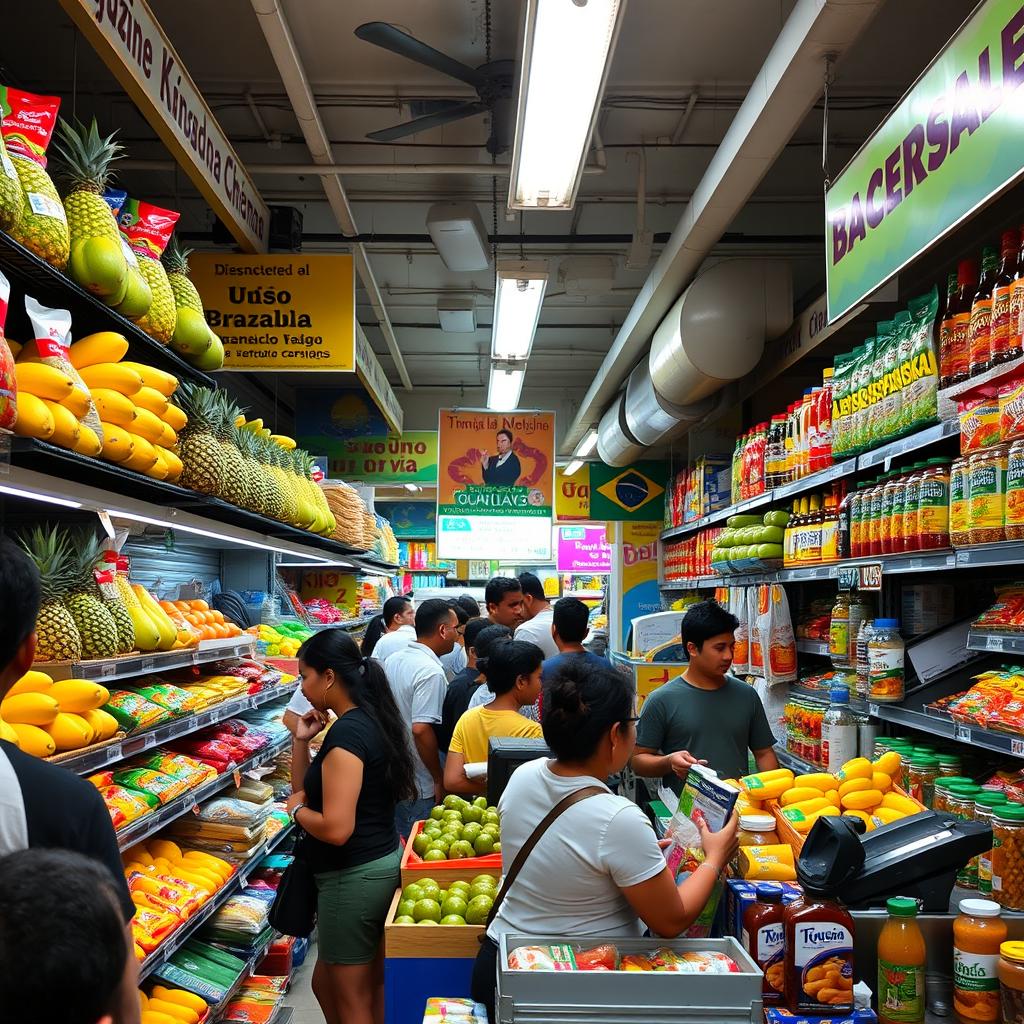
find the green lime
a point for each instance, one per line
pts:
(456, 919)
(458, 886)
(404, 919)
(485, 879)
(435, 854)
(436, 812)
(478, 909)
(491, 817)
(481, 802)
(420, 843)
(483, 844)
(427, 920)
(427, 910)
(412, 892)
(405, 908)
(454, 905)
(461, 849)
(453, 802)
(431, 890)
(472, 830)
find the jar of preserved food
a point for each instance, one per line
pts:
(885, 663)
(978, 933)
(942, 784)
(950, 765)
(758, 830)
(985, 805)
(932, 529)
(1011, 981)
(763, 936)
(874, 535)
(960, 804)
(1015, 491)
(828, 946)
(959, 501)
(1008, 856)
(924, 770)
(839, 631)
(863, 666)
(986, 507)
(856, 500)
(892, 491)
(908, 528)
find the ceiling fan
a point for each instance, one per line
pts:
(492, 81)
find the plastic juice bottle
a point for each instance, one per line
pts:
(1017, 303)
(830, 526)
(839, 731)
(946, 327)
(901, 965)
(856, 520)
(774, 451)
(811, 547)
(979, 340)
(875, 522)
(760, 444)
(737, 469)
(821, 438)
(795, 530)
(959, 312)
(1000, 335)
(789, 441)
(806, 407)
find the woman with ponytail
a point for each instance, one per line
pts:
(345, 802)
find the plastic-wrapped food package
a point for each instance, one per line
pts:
(741, 654)
(144, 780)
(252, 792)
(226, 811)
(193, 772)
(173, 698)
(126, 804)
(133, 711)
(243, 914)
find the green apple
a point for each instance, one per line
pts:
(452, 816)
(405, 908)
(484, 878)
(471, 831)
(482, 890)
(420, 843)
(458, 886)
(497, 847)
(453, 802)
(481, 802)
(427, 910)
(491, 830)
(404, 919)
(431, 890)
(412, 892)
(483, 844)
(440, 843)
(454, 905)
(461, 848)
(491, 817)
(435, 854)
(456, 919)
(453, 830)
(473, 814)
(427, 920)
(442, 897)
(426, 882)
(437, 812)
(478, 909)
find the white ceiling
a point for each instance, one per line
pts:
(667, 51)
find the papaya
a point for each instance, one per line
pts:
(78, 695)
(70, 732)
(31, 682)
(34, 418)
(116, 376)
(34, 740)
(67, 431)
(102, 347)
(29, 709)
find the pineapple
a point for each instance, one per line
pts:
(192, 335)
(95, 623)
(11, 196)
(98, 261)
(124, 624)
(236, 476)
(57, 636)
(175, 261)
(162, 317)
(264, 498)
(198, 447)
(273, 458)
(42, 226)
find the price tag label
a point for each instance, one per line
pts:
(993, 643)
(195, 809)
(147, 664)
(108, 671)
(871, 576)
(1017, 747)
(962, 733)
(847, 576)
(873, 710)
(237, 776)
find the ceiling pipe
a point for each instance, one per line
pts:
(286, 56)
(787, 87)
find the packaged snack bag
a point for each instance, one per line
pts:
(776, 627)
(757, 638)
(144, 780)
(148, 230)
(1011, 408)
(841, 371)
(877, 422)
(979, 421)
(921, 398)
(132, 711)
(741, 652)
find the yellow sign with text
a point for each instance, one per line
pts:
(650, 677)
(572, 495)
(280, 313)
(338, 588)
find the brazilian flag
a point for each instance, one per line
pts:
(633, 493)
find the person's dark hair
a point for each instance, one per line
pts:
(532, 586)
(394, 606)
(469, 604)
(489, 636)
(507, 433)
(581, 703)
(374, 631)
(368, 687)
(475, 627)
(506, 661)
(19, 598)
(571, 619)
(460, 613)
(705, 620)
(63, 949)
(431, 614)
(498, 587)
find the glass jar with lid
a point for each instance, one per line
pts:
(1015, 491)
(857, 506)
(978, 933)
(960, 804)
(986, 506)
(932, 527)
(885, 663)
(908, 529)
(950, 764)
(959, 498)
(892, 493)
(924, 770)
(942, 784)
(874, 532)
(1008, 856)
(985, 805)
(758, 830)
(1011, 980)
(839, 631)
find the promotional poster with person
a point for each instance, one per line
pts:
(495, 489)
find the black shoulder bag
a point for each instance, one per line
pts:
(293, 911)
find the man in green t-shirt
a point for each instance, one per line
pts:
(704, 716)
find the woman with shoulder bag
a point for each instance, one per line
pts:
(345, 804)
(589, 862)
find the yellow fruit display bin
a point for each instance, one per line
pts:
(421, 960)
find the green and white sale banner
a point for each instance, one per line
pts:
(954, 141)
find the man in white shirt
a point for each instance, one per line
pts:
(418, 683)
(456, 661)
(538, 615)
(399, 617)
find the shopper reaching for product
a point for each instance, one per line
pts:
(597, 869)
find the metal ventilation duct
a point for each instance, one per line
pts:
(649, 417)
(614, 445)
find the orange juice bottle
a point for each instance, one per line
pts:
(901, 965)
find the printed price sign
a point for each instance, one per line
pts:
(962, 734)
(871, 576)
(847, 577)
(1017, 747)
(873, 710)
(994, 643)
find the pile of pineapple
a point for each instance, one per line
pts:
(84, 240)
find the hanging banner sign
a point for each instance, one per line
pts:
(280, 313)
(634, 493)
(495, 488)
(952, 143)
(359, 446)
(637, 568)
(583, 549)
(572, 494)
(371, 373)
(130, 41)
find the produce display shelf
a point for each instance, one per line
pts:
(877, 456)
(150, 824)
(986, 739)
(794, 763)
(373, 562)
(813, 647)
(238, 881)
(345, 624)
(43, 472)
(87, 763)
(691, 584)
(110, 670)
(1000, 643)
(47, 284)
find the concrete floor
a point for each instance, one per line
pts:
(300, 993)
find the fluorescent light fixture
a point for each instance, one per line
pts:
(167, 525)
(567, 50)
(50, 499)
(504, 387)
(315, 565)
(572, 467)
(518, 295)
(586, 446)
(412, 488)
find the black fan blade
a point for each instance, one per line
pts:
(380, 33)
(421, 124)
